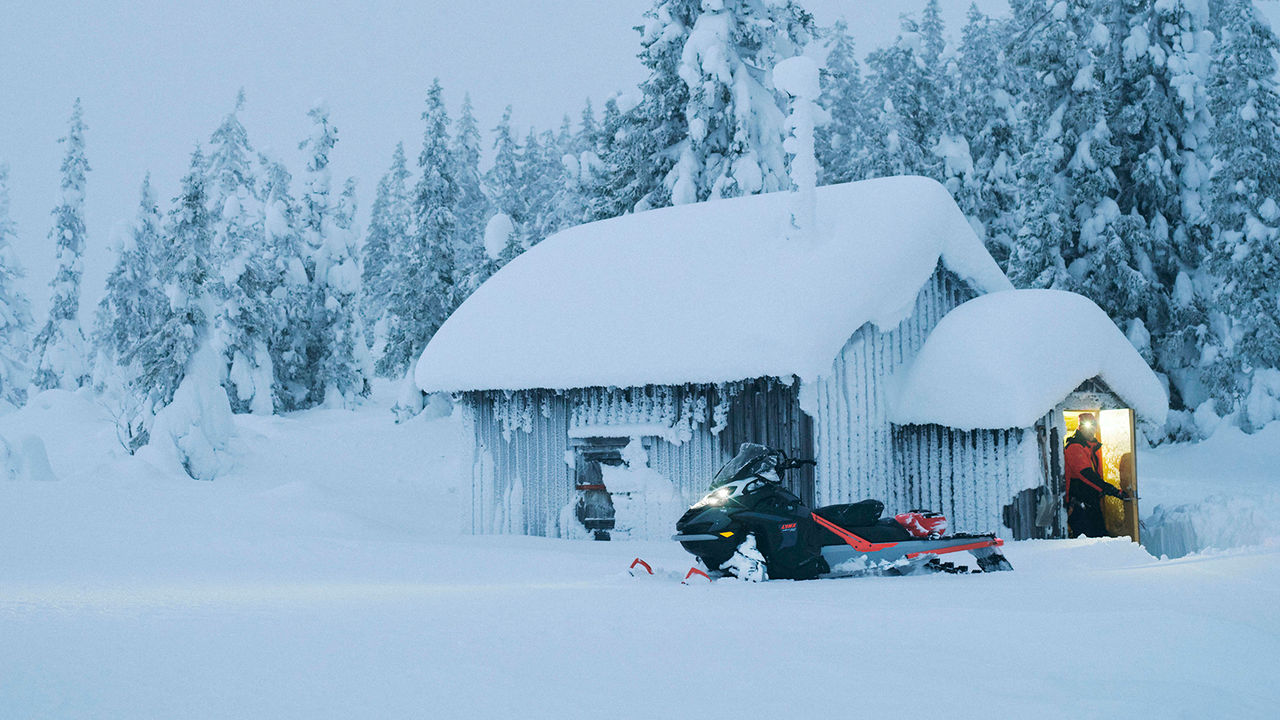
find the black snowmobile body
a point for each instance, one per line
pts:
(750, 524)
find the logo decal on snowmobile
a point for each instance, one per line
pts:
(789, 535)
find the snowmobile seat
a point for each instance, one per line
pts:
(853, 515)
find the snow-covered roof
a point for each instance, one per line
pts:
(1004, 360)
(709, 292)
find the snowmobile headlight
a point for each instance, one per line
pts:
(716, 497)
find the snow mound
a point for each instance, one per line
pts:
(25, 460)
(708, 292)
(1005, 359)
(194, 431)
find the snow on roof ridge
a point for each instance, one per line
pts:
(708, 292)
(1005, 359)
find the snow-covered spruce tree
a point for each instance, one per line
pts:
(995, 126)
(60, 353)
(162, 355)
(584, 170)
(733, 145)
(292, 297)
(841, 141)
(1245, 257)
(389, 223)
(135, 303)
(504, 183)
(472, 210)
(627, 179)
(904, 107)
(1071, 55)
(337, 349)
(181, 364)
(133, 307)
(544, 183)
(245, 281)
(1037, 251)
(424, 293)
(1162, 126)
(641, 137)
(15, 311)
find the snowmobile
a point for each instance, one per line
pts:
(750, 526)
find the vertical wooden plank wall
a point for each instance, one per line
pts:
(529, 443)
(967, 475)
(535, 458)
(851, 427)
(767, 411)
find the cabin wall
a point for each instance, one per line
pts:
(972, 475)
(767, 411)
(520, 478)
(851, 426)
(522, 473)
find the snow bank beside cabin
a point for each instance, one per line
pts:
(1220, 493)
(707, 292)
(1004, 360)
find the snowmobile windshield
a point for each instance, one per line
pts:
(751, 460)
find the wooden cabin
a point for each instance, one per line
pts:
(994, 393)
(621, 362)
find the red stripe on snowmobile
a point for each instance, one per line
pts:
(853, 540)
(641, 563)
(993, 542)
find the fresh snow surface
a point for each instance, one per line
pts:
(708, 292)
(1004, 360)
(326, 577)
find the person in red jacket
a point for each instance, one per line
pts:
(1085, 484)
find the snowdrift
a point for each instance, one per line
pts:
(709, 292)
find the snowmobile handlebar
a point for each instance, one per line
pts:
(791, 464)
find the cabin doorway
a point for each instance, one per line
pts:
(1115, 431)
(594, 506)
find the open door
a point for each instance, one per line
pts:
(1116, 432)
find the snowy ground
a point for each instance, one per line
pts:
(327, 578)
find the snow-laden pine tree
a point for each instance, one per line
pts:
(543, 185)
(338, 352)
(504, 183)
(182, 365)
(905, 106)
(1069, 52)
(472, 208)
(584, 171)
(1245, 102)
(642, 136)
(733, 134)
(389, 225)
(162, 356)
(994, 123)
(59, 352)
(293, 296)
(15, 311)
(244, 281)
(134, 304)
(628, 179)
(841, 142)
(132, 309)
(424, 293)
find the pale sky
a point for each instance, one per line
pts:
(156, 76)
